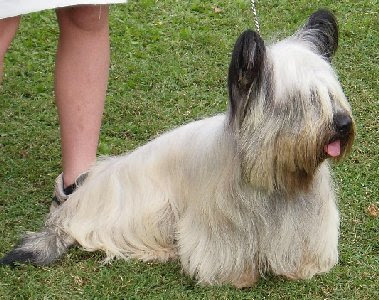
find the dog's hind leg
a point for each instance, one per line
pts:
(39, 248)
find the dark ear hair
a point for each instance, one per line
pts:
(322, 31)
(245, 72)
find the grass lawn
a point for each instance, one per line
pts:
(169, 66)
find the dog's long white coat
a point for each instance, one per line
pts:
(182, 194)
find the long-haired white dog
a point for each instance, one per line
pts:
(230, 196)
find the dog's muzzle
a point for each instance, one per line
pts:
(343, 127)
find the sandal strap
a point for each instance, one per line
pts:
(61, 194)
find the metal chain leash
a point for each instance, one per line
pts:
(254, 9)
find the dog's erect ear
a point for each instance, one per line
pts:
(245, 72)
(322, 31)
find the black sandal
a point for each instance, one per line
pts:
(61, 193)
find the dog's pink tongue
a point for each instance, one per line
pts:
(334, 148)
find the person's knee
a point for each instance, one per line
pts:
(8, 29)
(87, 17)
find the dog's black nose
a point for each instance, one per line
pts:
(342, 123)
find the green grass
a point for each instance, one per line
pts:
(169, 66)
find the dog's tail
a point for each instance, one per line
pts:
(39, 248)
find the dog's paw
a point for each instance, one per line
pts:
(246, 280)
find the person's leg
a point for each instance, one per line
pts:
(81, 77)
(8, 29)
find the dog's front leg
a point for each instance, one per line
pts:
(215, 252)
(247, 279)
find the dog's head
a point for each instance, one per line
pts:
(287, 105)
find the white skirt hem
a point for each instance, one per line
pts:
(11, 8)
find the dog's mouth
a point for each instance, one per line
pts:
(338, 146)
(333, 149)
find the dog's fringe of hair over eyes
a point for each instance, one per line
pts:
(231, 196)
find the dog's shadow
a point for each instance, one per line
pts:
(168, 273)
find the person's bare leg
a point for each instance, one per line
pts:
(8, 29)
(81, 77)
